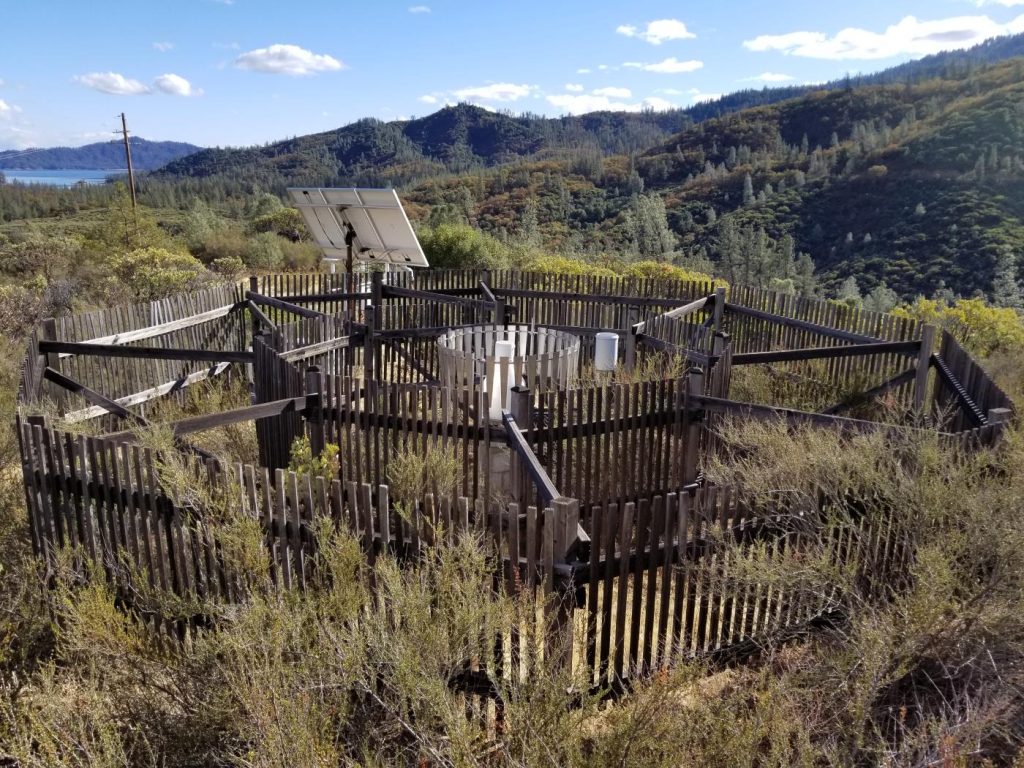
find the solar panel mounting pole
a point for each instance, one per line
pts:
(350, 238)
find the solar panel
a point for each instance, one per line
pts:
(381, 229)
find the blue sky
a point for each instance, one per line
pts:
(239, 72)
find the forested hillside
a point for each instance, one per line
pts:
(453, 140)
(103, 155)
(918, 185)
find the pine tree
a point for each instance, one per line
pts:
(882, 298)
(748, 190)
(849, 292)
(1006, 288)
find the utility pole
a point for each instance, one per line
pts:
(128, 157)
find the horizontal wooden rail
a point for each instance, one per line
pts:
(225, 418)
(285, 306)
(517, 442)
(418, 333)
(149, 332)
(792, 322)
(828, 353)
(593, 298)
(318, 348)
(147, 353)
(311, 298)
(393, 291)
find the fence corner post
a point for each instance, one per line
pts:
(924, 359)
(719, 309)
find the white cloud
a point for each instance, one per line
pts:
(7, 110)
(428, 98)
(176, 85)
(768, 77)
(573, 87)
(611, 92)
(163, 47)
(670, 66)
(227, 46)
(284, 59)
(908, 37)
(494, 92)
(113, 83)
(419, 9)
(696, 96)
(579, 103)
(582, 71)
(658, 31)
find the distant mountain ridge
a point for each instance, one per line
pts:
(103, 155)
(465, 137)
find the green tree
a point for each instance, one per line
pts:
(647, 227)
(1006, 288)
(881, 298)
(748, 190)
(849, 292)
(155, 273)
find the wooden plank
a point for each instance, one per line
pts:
(224, 418)
(529, 461)
(816, 353)
(148, 394)
(146, 353)
(890, 384)
(823, 330)
(285, 306)
(105, 403)
(149, 332)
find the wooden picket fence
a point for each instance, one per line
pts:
(662, 579)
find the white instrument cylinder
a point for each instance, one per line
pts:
(606, 352)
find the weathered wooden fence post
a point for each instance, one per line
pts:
(998, 419)
(692, 423)
(314, 410)
(924, 359)
(519, 407)
(719, 309)
(565, 518)
(629, 352)
(49, 333)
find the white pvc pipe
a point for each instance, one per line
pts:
(503, 374)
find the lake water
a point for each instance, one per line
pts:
(59, 178)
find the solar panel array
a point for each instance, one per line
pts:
(382, 231)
